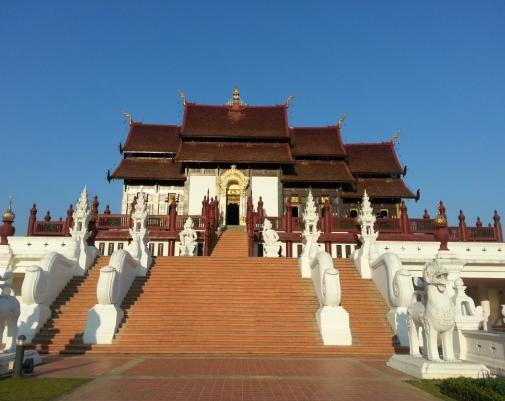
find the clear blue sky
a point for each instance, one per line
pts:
(433, 69)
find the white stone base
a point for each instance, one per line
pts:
(103, 322)
(271, 251)
(31, 319)
(7, 360)
(333, 323)
(423, 369)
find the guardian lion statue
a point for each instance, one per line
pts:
(434, 313)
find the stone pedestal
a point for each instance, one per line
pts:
(333, 323)
(421, 368)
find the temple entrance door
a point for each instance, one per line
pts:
(233, 204)
(233, 196)
(232, 214)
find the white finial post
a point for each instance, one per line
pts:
(138, 247)
(310, 235)
(368, 236)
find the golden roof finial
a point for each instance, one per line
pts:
(236, 96)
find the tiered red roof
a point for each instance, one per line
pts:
(381, 188)
(235, 122)
(141, 168)
(237, 152)
(259, 135)
(317, 141)
(152, 138)
(319, 171)
(373, 158)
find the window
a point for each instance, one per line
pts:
(353, 213)
(101, 248)
(294, 211)
(384, 214)
(160, 249)
(110, 249)
(120, 245)
(151, 248)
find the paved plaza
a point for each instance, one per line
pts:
(125, 378)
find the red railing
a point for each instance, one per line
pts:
(115, 226)
(345, 229)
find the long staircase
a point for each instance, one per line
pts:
(227, 303)
(65, 327)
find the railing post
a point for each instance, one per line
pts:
(261, 212)
(250, 226)
(462, 226)
(31, 220)
(93, 221)
(478, 223)
(69, 221)
(172, 217)
(7, 229)
(404, 219)
(497, 227)
(327, 224)
(288, 219)
(207, 226)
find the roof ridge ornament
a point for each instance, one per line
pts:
(183, 97)
(341, 120)
(395, 136)
(128, 117)
(289, 100)
(235, 98)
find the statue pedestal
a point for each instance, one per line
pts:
(7, 360)
(423, 369)
(333, 323)
(187, 250)
(271, 251)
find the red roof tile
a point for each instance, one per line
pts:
(319, 171)
(373, 158)
(235, 152)
(152, 138)
(317, 141)
(381, 188)
(137, 168)
(243, 122)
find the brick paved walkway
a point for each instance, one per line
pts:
(125, 378)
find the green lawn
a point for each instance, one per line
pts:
(37, 389)
(430, 386)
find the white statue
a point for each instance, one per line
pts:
(9, 314)
(138, 246)
(434, 313)
(187, 237)
(271, 244)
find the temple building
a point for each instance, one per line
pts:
(235, 150)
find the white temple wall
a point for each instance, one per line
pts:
(268, 189)
(198, 187)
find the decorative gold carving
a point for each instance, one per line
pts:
(183, 97)
(128, 116)
(395, 137)
(230, 176)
